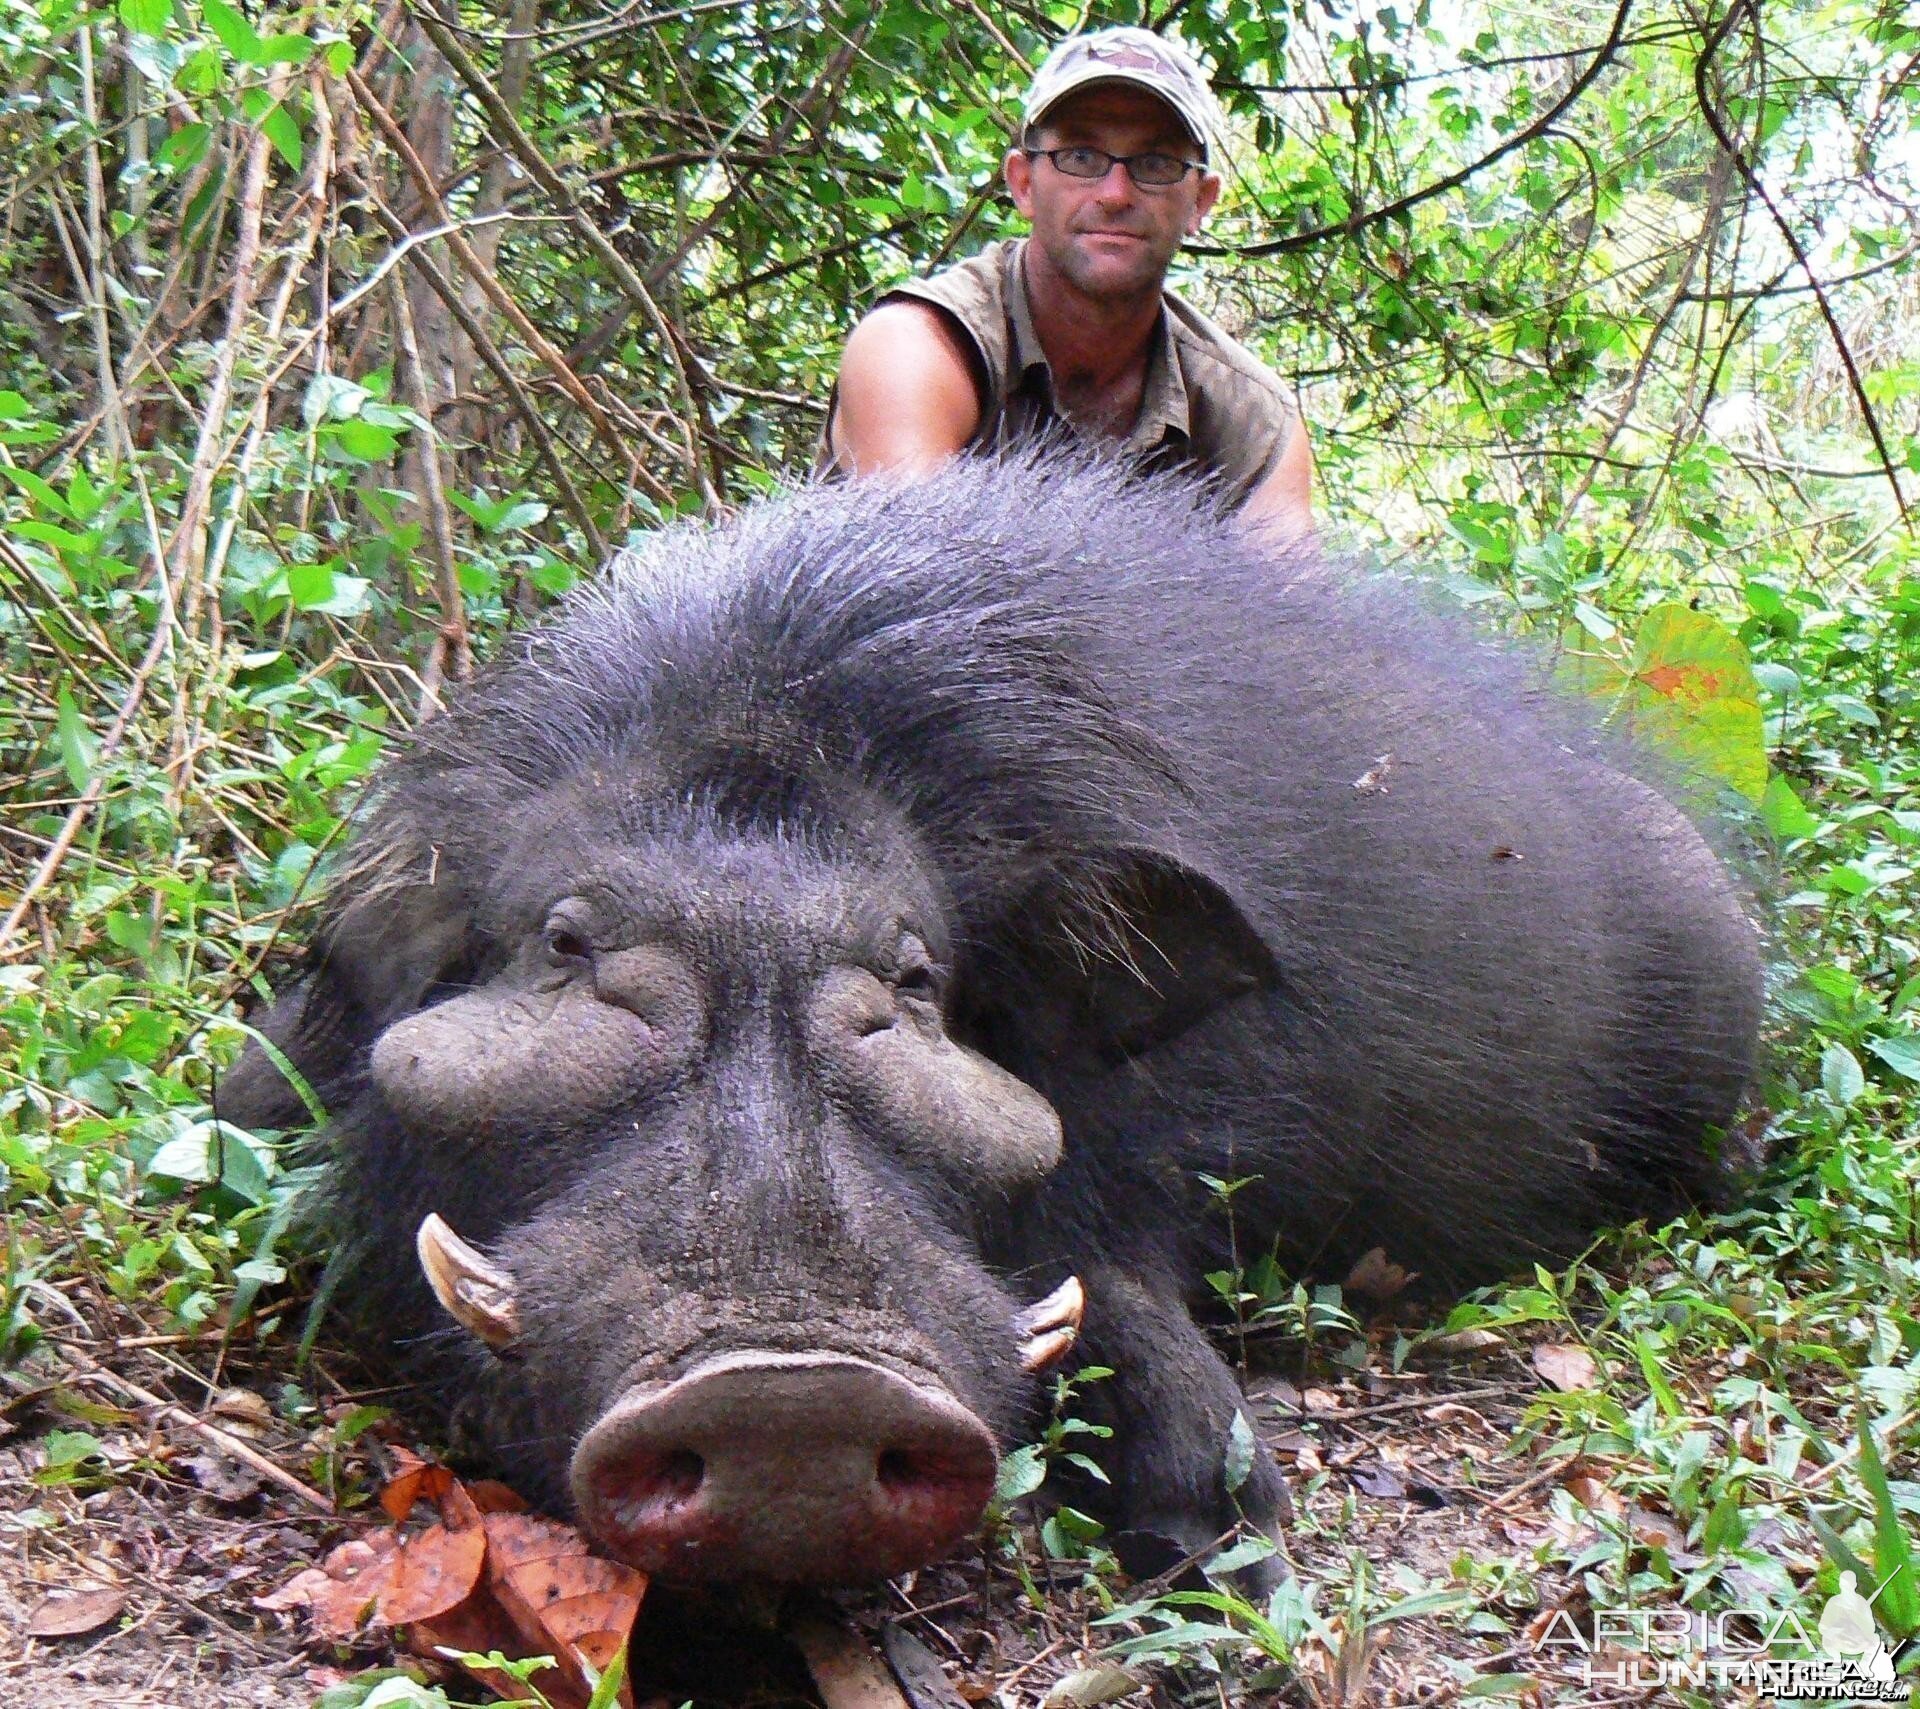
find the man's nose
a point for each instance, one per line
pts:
(1116, 185)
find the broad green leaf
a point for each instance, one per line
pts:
(286, 50)
(13, 407)
(280, 126)
(1692, 690)
(1901, 1054)
(1021, 1473)
(70, 1447)
(185, 147)
(232, 31)
(363, 441)
(146, 17)
(1784, 813)
(310, 585)
(1841, 1074)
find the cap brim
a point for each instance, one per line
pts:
(1087, 76)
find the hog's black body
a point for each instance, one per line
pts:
(707, 964)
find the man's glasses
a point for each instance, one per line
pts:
(1150, 171)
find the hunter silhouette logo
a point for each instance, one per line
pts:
(1849, 1634)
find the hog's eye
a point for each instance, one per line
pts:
(566, 944)
(919, 977)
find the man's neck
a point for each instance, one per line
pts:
(1094, 345)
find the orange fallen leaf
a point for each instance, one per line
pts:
(488, 1576)
(434, 1572)
(474, 1629)
(491, 1496)
(340, 1592)
(416, 1480)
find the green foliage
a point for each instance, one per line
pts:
(266, 486)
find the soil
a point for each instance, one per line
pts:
(221, 1473)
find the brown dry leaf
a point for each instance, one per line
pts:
(69, 1613)
(242, 1412)
(1452, 1412)
(435, 1572)
(415, 1480)
(1657, 1529)
(1377, 1276)
(491, 1496)
(514, 1539)
(1592, 1493)
(477, 1627)
(1465, 1341)
(1566, 1366)
(340, 1592)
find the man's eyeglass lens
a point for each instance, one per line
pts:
(1157, 170)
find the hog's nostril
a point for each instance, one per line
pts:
(896, 1468)
(680, 1474)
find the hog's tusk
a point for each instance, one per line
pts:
(1050, 1327)
(478, 1293)
(1061, 1309)
(1041, 1351)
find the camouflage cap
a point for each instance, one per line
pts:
(1126, 55)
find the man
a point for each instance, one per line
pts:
(1073, 327)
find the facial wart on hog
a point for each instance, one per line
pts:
(796, 992)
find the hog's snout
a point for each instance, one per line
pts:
(807, 1468)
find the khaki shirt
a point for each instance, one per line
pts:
(1207, 403)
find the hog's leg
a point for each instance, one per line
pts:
(1171, 1404)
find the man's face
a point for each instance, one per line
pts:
(1109, 237)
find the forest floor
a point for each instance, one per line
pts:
(155, 1489)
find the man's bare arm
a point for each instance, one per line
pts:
(1282, 504)
(907, 397)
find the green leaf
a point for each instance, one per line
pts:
(1901, 1053)
(606, 1689)
(212, 1151)
(286, 50)
(78, 750)
(363, 441)
(13, 407)
(1021, 1473)
(1692, 689)
(1783, 812)
(309, 585)
(146, 17)
(39, 489)
(1240, 1452)
(1841, 1074)
(232, 31)
(1664, 1397)
(1898, 1601)
(185, 148)
(70, 1447)
(280, 126)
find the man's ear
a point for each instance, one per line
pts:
(1116, 965)
(1203, 202)
(1017, 168)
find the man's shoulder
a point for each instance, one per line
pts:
(974, 285)
(1208, 352)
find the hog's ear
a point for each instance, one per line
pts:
(1116, 964)
(376, 960)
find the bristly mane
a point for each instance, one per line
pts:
(927, 642)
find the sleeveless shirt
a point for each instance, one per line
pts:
(1207, 403)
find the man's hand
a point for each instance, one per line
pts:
(908, 399)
